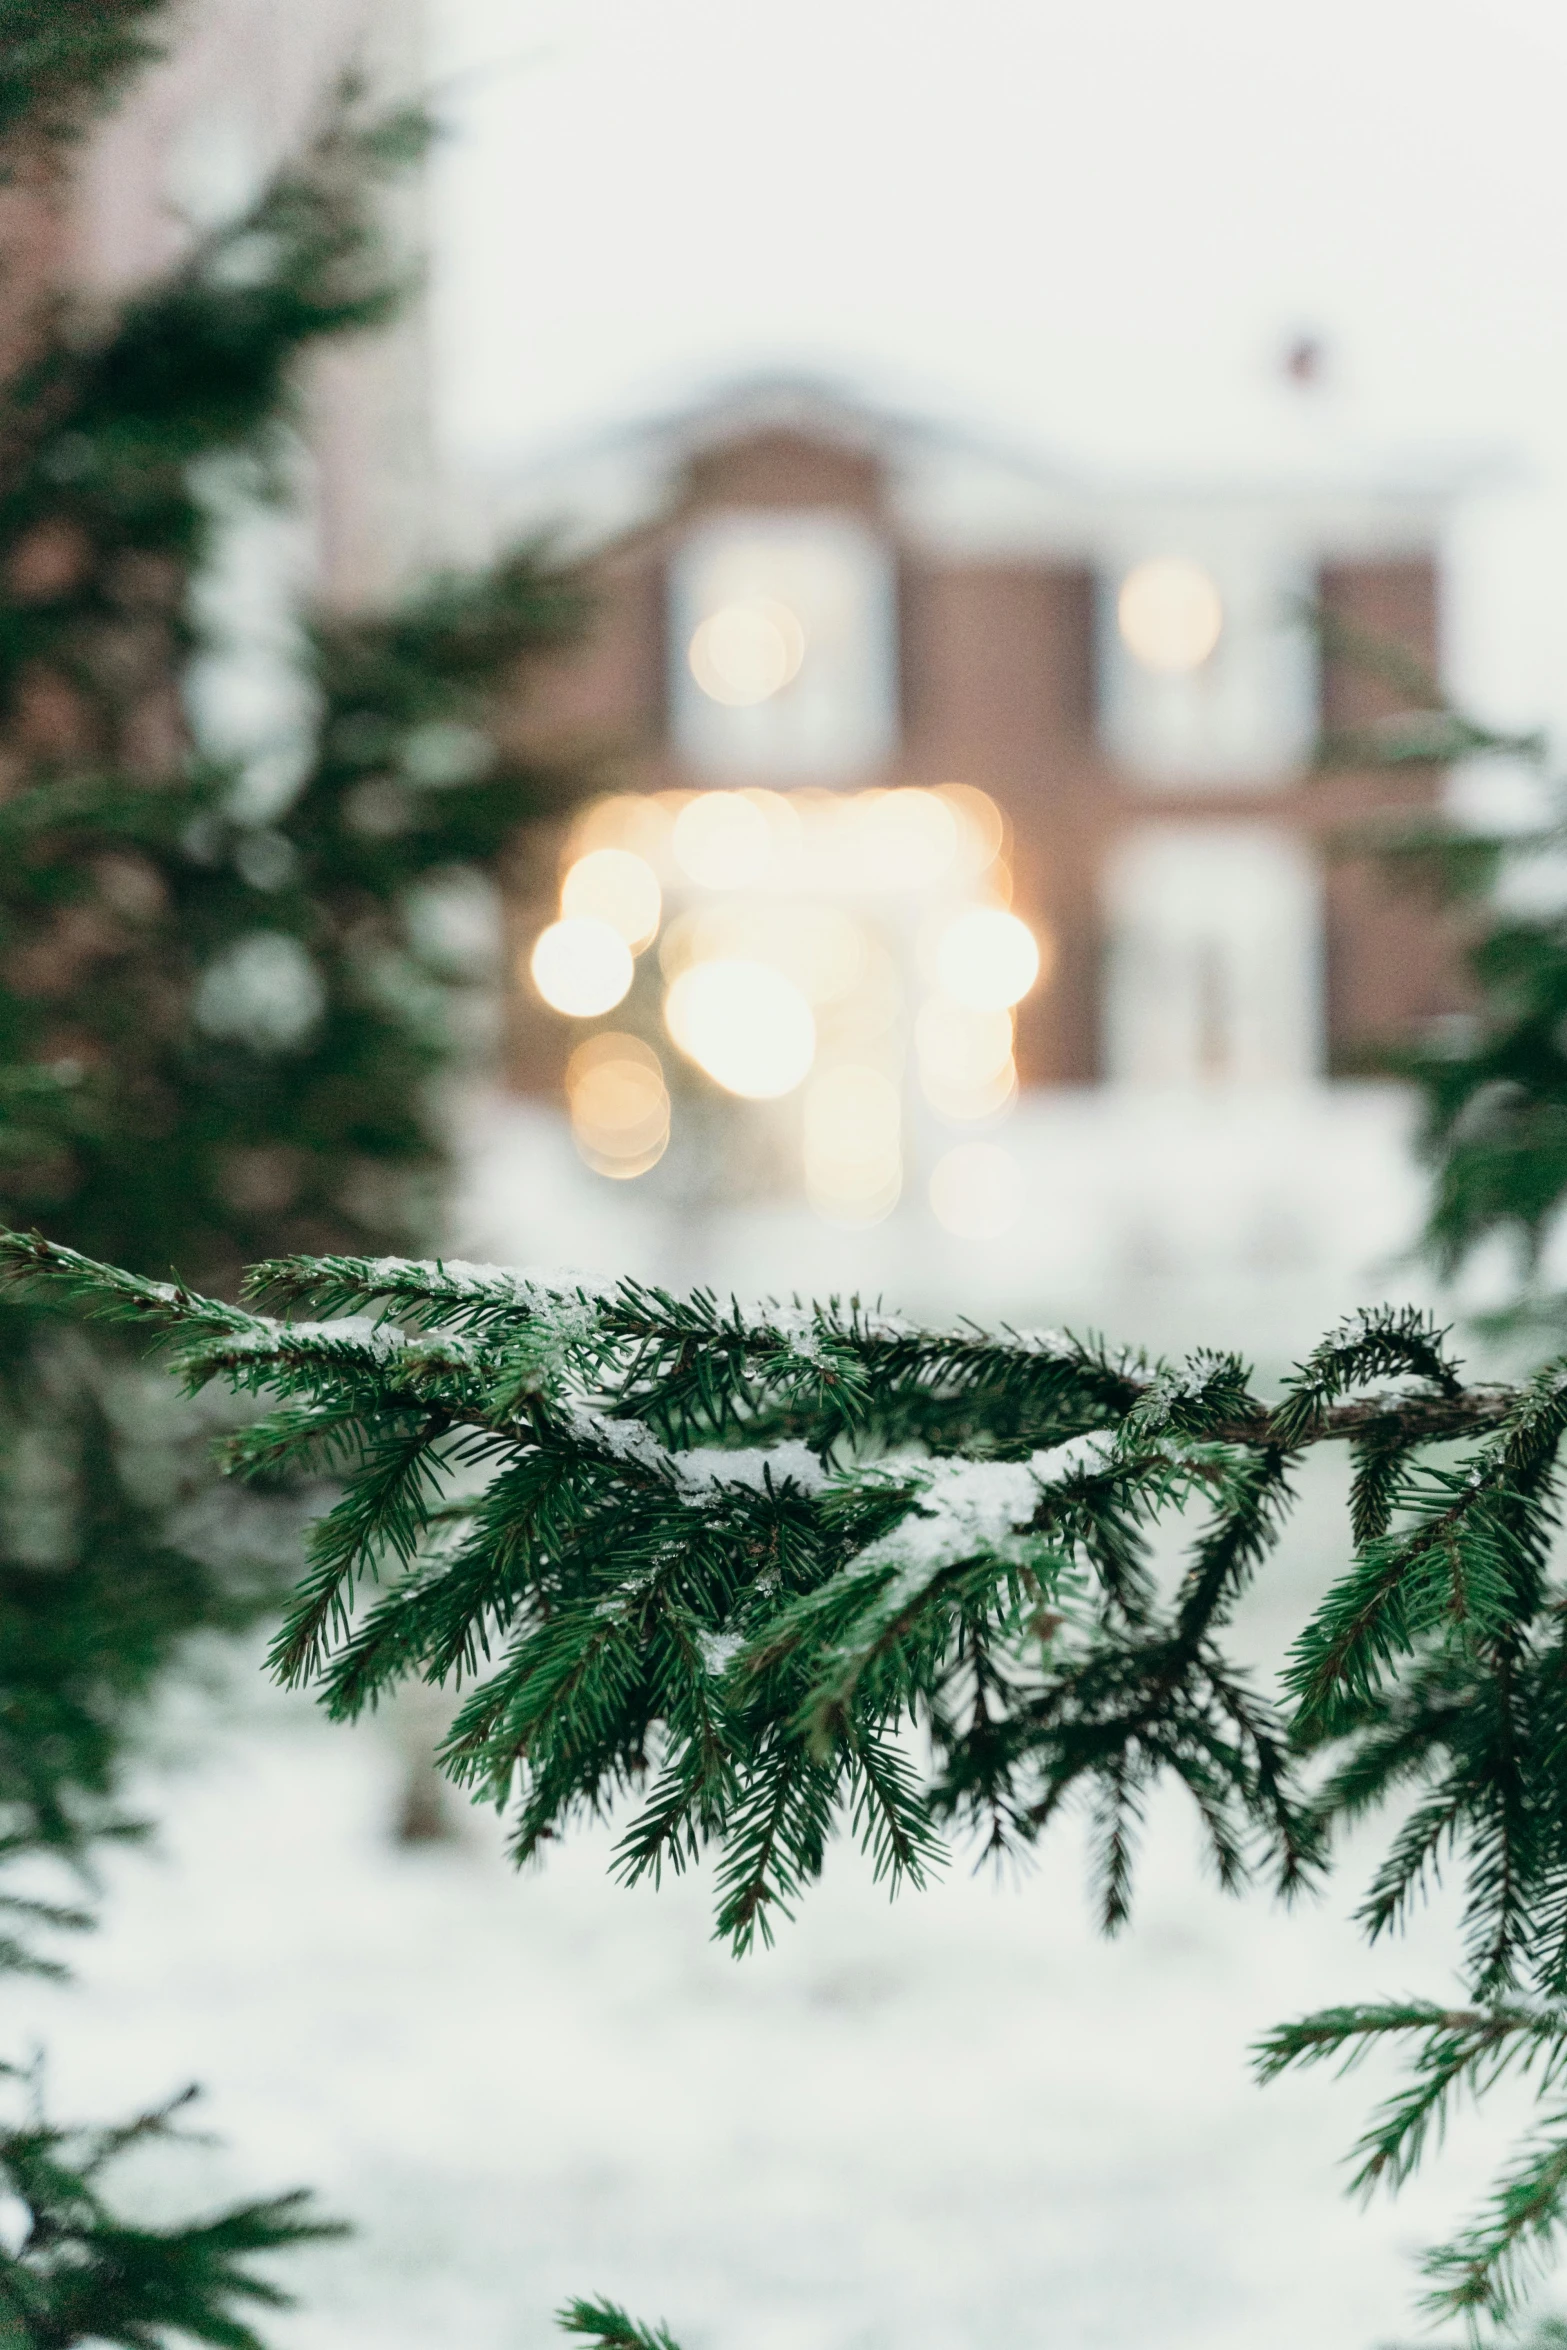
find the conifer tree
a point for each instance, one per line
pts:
(1493, 1080)
(218, 1029)
(709, 1567)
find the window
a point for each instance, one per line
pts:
(1215, 958)
(1207, 671)
(783, 649)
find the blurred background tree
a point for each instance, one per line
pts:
(222, 1011)
(222, 1017)
(1492, 1081)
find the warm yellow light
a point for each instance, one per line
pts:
(745, 653)
(747, 1025)
(853, 1157)
(962, 1100)
(581, 966)
(976, 1191)
(624, 820)
(817, 946)
(965, 1058)
(987, 960)
(1170, 615)
(619, 1105)
(618, 887)
(981, 826)
(723, 840)
(910, 839)
(822, 951)
(960, 1044)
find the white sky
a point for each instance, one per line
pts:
(1085, 225)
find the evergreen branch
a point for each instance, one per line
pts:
(1232, 1548)
(33, 1267)
(1465, 2049)
(1484, 2271)
(693, 1558)
(63, 61)
(607, 2323)
(76, 2272)
(1373, 1343)
(382, 1514)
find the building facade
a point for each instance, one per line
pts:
(812, 609)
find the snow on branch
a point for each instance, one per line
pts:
(753, 1576)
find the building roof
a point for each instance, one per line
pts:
(958, 491)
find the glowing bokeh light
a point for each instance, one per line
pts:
(976, 1191)
(852, 1137)
(1170, 615)
(619, 1105)
(909, 839)
(955, 1041)
(823, 951)
(745, 1024)
(965, 1060)
(962, 1100)
(581, 966)
(987, 960)
(982, 830)
(723, 840)
(745, 653)
(818, 946)
(618, 887)
(638, 821)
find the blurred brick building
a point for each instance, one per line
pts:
(1124, 671)
(1117, 671)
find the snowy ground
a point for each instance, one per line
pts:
(960, 2123)
(954, 2124)
(1249, 1217)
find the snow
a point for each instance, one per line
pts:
(961, 2121)
(523, 1285)
(1054, 1343)
(963, 1507)
(622, 1440)
(798, 1327)
(957, 2123)
(970, 1506)
(705, 1470)
(356, 1330)
(1079, 1456)
(719, 1650)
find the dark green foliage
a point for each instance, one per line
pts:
(74, 2271)
(144, 1112)
(759, 1577)
(62, 60)
(85, 1631)
(162, 1133)
(150, 1106)
(606, 2322)
(136, 1115)
(1493, 1082)
(1425, 728)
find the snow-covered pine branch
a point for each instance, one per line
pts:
(755, 1575)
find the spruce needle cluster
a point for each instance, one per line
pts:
(750, 1578)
